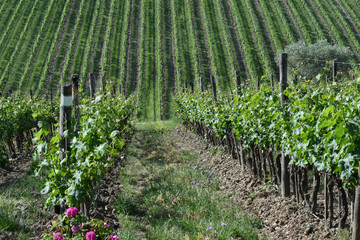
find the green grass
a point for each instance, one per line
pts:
(164, 197)
(21, 206)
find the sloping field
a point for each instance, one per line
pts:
(152, 47)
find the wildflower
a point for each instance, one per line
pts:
(197, 184)
(59, 230)
(193, 182)
(106, 223)
(202, 182)
(208, 228)
(75, 229)
(223, 224)
(90, 236)
(174, 201)
(92, 229)
(195, 167)
(72, 212)
(114, 237)
(210, 175)
(57, 236)
(185, 200)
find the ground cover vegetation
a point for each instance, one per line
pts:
(155, 48)
(167, 194)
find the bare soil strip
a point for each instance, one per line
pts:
(281, 218)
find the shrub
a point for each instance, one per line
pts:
(307, 61)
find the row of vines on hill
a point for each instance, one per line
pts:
(156, 47)
(317, 131)
(102, 128)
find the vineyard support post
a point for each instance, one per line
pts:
(335, 70)
(119, 89)
(103, 84)
(238, 81)
(31, 95)
(201, 84)
(92, 80)
(213, 86)
(285, 176)
(356, 222)
(326, 199)
(51, 98)
(272, 82)
(258, 82)
(64, 122)
(191, 87)
(75, 93)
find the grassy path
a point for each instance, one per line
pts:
(168, 195)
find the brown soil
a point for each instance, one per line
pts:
(17, 169)
(281, 218)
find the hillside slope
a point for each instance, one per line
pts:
(152, 47)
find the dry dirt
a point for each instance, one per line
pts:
(281, 218)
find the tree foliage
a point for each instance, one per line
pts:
(308, 60)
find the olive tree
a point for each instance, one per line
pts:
(308, 60)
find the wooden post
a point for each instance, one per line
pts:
(114, 90)
(201, 84)
(258, 82)
(64, 122)
(356, 222)
(191, 87)
(213, 86)
(65, 116)
(103, 84)
(51, 98)
(92, 80)
(31, 95)
(325, 199)
(120, 89)
(238, 81)
(75, 94)
(335, 70)
(272, 82)
(285, 176)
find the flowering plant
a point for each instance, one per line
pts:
(74, 226)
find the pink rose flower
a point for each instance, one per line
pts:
(90, 236)
(57, 236)
(72, 212)
(114, 237)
